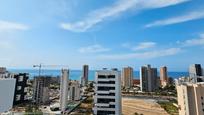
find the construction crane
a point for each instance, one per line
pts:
(41, 65)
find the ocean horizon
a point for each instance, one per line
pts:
(76, 74)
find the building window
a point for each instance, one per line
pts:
(101, 100)
(20, 79)
(99, 112)
(100, 88)
(25, 89)
(101, 76)
(18, 97)
(202, 97)
(111, 76)
(25, 97)
(19, 88)
(106, 82)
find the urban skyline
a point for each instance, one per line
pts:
(58, 32)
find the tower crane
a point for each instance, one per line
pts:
(41, 65)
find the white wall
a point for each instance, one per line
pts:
(64, 89)
(7, 87)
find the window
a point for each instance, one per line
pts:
(110, 94)
(19, 88)
(112, 106)
(25, 89)
(105, 100)
(20, 79)
(99, 112)
(104, 76)
(111, 76)
(105, 88)
(101, 76)
(25, 97)
(18, 97)
(106, 82)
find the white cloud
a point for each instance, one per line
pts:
(6, 26)
(143, 55)
(116, 9)
(140, 46)
(194, 42)
(93, 49)
(179, 19)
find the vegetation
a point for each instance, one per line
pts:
(169, 107)
(169, 90)
(137, 113)
(89, 88)
(85, 108)
(32, 110)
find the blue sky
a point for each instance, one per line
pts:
(102, 33)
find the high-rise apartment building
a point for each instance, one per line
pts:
(21, 87)
(64, 90)
(163, 76)
(107, 98)
(85, 73)
(74, 91)
(148, 79)
(191, 98)
(41, 90)
(7, 88)
(127, 77)
(195, 70)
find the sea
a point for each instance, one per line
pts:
(76, 74)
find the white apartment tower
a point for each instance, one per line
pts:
(107, 98)
(191, 98)
(64, 89)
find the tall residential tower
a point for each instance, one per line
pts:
(195, 70)
(64, 90)
(85, 73)
(191, 98)
(127, 77)
(148, 79)
(107, 98)
(163, 76)
(41, 89)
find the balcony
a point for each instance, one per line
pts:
(105, 97)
